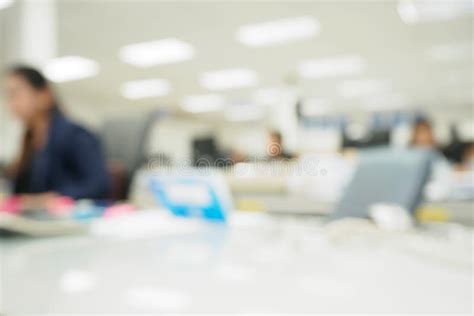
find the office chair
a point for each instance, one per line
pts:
(124, 140)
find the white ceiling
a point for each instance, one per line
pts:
(395, 51)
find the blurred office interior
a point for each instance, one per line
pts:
(390, 68)
(280, 98)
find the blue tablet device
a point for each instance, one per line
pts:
(193, 196)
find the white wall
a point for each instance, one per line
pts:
(10, 135)
(173, 137)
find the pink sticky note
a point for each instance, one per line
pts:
(118, 210)
(11, 205)
(61, 205)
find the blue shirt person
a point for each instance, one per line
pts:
(57, 156)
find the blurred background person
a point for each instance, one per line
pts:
(57, 156)
(275, 148)
(467, 159)
(423, 138)
(422, 135)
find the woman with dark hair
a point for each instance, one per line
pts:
(57, 156)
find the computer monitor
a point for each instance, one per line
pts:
(205, 152)
(374, 138)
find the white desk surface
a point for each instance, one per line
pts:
(259, 263)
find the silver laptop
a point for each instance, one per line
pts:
(385, 175)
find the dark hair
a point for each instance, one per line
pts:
(422, 121)
(34, 78)
(38, 82)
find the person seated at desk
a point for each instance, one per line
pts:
(58, 157)
(467, 158)
(275, 149)
(423, 138)
(422, 135)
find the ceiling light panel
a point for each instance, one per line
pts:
(332, 67)
(278, 31)
(365, 87)
(165, 51)
(5, 4)
(203, 103)
(228, 79)
(420, 11)
(70, 68)
(149, 88)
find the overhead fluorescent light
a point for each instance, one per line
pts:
(228, 79)
(70, 68)
(315, 107)
(5, 4)
(148, 88)
(450, 52)
(165, 51)
(419, 11)
(408, 11)
(332, 67)
(203, 103)
(278, 31)
(244, 113)
(365, 87)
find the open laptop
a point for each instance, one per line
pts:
(385, 175)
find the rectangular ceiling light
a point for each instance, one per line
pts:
(165, 51)
(331, 67)
(70, 68)
(5, 4)
(278, 31)
(148, 88)
(228, 79)
(419, 11)
(203, 103)
(366, 87)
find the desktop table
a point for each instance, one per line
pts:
(150, 262)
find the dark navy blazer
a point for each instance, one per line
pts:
(71, 163)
